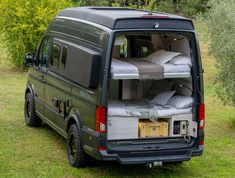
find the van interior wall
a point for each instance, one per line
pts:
(177, 43)
(147, 89)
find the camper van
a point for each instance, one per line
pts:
(119, 84)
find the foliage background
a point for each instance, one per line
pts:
(187, 8)
(23, 23)
(219, 25)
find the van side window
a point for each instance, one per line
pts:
(64, 56)
(74, 57)
(44, 51)
(55, 56)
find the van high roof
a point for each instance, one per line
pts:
(115, 17)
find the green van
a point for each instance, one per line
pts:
(120, 85)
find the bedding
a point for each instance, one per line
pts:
(162, 57)
(162, 98)
(180, 102)
(171, 68)
(119, 67)
(125, 70)
(179, 60)
(146, 69)
(142, 109)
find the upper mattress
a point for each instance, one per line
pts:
(125, 70)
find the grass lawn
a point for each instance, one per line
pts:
(41, 152)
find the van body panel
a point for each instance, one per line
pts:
(35, 79)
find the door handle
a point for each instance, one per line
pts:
(55, 102)
(43, 78)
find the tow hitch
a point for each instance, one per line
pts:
(154, 164)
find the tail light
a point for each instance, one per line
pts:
(101, 148)
(101, 114)
(202, 116)
(201, 142)
(201, 122)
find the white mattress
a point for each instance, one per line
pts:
(142, 109)
(125, 70)
(171, 68)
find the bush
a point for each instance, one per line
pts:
(187, 8)
(92, 2)
(23, 23)
(220, 21)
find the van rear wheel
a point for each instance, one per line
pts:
(76, 156)
(31, 119)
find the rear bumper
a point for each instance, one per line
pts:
(131, 154)
(145, 157)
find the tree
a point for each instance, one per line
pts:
(92, 2)
(188, 8)
(220, 20)
(23, 23)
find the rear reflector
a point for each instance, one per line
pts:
(101, 113)
(202, 116)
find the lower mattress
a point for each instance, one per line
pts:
(125, 70)
(142, 109)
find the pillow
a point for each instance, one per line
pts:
(162, 98)
(162, 57)
(179, 60)
(181, 102)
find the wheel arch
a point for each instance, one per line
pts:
(74, 117)
(30, 89)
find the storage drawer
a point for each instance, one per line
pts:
(149, 129)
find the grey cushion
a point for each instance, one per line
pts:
(162, 57)
(180, 102)
(162, 98)
(181, 60)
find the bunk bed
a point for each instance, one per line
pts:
(122, 70)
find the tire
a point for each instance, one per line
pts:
(31, 119)
(76, 156)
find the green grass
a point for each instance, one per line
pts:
(41, 152)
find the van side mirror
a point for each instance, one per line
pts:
(29, 59)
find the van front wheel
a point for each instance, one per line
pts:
(76, 156)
